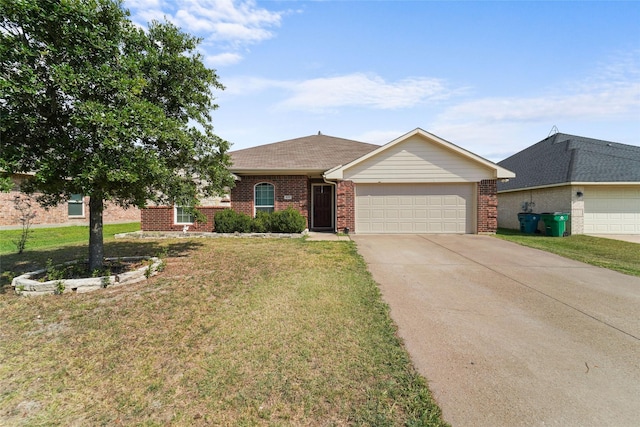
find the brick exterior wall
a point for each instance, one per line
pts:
(58, 215)
(161, 218)
(346, 206)
(487, 206)
(296, 186)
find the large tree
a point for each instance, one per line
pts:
(92, 104)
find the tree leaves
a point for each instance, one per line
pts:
(94, 105)
(91, 103)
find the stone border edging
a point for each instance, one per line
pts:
(24, 285)
(198, 234)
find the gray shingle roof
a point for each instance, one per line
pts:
(563, 158)
(309, 153)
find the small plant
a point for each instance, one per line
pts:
(20, 289)
(59, 289)
(53, 272)
(23, 205)
(149, 271)
(105, 280)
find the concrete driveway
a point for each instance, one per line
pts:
(512, 336)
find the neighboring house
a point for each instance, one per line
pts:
(417, 183)
(597, 182)
(74, 212)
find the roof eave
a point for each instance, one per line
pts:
(293, 171)
(573, 183)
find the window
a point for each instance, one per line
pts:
(183, 215)
(75, 206)
(264, 197)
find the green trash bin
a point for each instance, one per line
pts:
(555, 224)
(528, 222)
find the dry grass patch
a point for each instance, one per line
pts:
(234, 332)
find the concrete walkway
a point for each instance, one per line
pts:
(512, 336)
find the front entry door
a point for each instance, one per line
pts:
(322, 206)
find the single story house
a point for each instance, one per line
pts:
(596, 181)
(417, 183)
(74, 212)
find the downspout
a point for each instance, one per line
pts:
(335, 203)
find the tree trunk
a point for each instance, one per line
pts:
(96, 243)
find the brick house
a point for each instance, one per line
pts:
(74, 212)
(597, 182)
(417, 183)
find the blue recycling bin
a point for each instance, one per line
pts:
(528, 222)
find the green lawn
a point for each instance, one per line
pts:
(233, 332)
(41, 238)
(608, 253)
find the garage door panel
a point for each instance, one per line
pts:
(610, 210)
(414, 208)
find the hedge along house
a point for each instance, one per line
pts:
(417, 183)
(596, 181)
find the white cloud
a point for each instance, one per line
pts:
(610, 95)
(593, 102)
(222, 59)
(230, 24)
(363, 90)
(350, 90)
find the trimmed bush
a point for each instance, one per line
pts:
(286, 221)
(261, 223)
(230, 221)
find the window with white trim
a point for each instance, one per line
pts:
(264, 197)
(75, 205)
(182, 215)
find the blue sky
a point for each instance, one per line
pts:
(491, 77)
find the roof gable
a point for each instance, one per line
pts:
(419, 156)
(563, 158)
(315, 153)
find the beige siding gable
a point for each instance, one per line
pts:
(418, 160)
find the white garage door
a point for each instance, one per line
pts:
(414, 208)
(612, 210)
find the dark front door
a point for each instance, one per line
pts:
(322, 206)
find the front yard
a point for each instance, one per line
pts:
(233, 332)
(607, 253)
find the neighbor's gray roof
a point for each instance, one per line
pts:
(309, 153)
(563, 158)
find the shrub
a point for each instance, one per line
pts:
(230, 221)
(261, 223)
(287, 221)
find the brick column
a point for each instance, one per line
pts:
(346, 215)
(487, 207)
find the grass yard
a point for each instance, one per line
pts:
(59, 236)
(607, 253)
(236, 332)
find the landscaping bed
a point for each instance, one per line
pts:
(74, 276)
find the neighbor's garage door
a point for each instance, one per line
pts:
(612, 210)
(414, 208)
